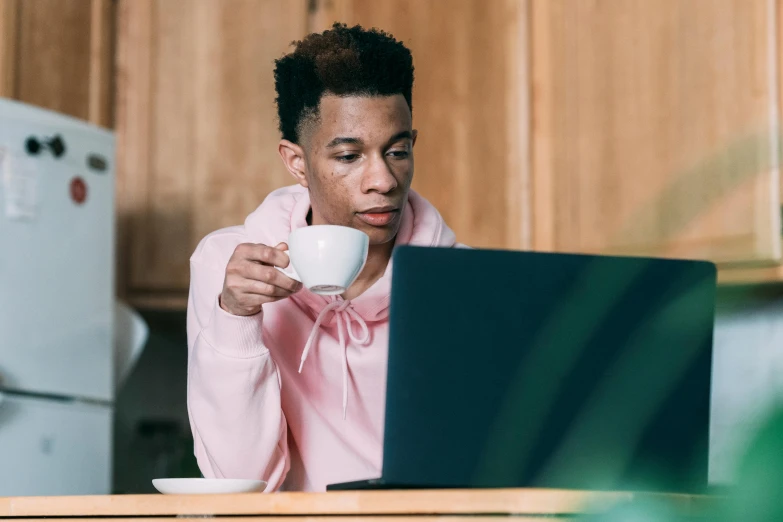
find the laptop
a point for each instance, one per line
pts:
(523, 369)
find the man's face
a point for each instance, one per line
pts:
(359, 163)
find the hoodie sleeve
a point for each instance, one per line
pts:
(238, 426)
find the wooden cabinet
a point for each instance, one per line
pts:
(631, 127)
(655, 128)
(58, 54)
(196, 129)
(602, 126)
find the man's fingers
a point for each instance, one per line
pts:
(283, 247)
(252, 279)
(262, 254)
(269, 275)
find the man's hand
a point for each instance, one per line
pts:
(252, 279)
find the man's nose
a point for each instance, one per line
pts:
(379, 177)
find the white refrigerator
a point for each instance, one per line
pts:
(56, 303)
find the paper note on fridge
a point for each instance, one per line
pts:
(19, 185)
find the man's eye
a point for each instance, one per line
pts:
(348, 158)
(399, 154)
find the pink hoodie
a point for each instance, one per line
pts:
(252, 413)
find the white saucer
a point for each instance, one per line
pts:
(202, 486)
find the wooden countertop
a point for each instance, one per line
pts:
(526, 504)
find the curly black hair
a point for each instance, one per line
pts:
(343, 61)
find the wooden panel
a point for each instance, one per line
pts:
(767, 275)
(63, 57)
(654, 128)
(469, 105)
(548, 502)
(133, 113)
(100, 109)
(53, 60)
(196, 124)
(8, 33)
(750, 276)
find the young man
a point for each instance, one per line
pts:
(344, 102)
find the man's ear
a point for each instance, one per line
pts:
(294, 160)
(415, 135)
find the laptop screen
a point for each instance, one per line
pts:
(520, 369)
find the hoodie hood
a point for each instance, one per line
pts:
(286, 209)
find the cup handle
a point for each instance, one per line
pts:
(290, 271)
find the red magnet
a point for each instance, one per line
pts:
(78, 190)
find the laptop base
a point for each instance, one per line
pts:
(375, 484)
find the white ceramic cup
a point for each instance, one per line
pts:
(326, 259)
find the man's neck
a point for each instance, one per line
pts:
(377, 260)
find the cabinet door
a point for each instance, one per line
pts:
(655, 128)
(58, 54)
(469, 106)
(197, 128)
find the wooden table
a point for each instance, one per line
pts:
(442, 505)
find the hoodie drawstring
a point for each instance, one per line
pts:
(345, 317)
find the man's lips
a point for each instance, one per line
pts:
(379, 216)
